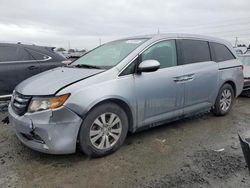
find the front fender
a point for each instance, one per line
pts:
(122, 89)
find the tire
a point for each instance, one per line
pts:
(93, 133)
(220, 109)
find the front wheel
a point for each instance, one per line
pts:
(224, 101)
(103, 130)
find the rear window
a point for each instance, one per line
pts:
(220, 52)
(12, 53)
(194, 51)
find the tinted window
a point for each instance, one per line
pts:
(37, 55)
(12, 53)
(8, 53)
(24, 55)
(194, 51)
(220, 52)
(164, 52)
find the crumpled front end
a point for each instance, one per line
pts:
(49, 131)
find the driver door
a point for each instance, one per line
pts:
(159, 94)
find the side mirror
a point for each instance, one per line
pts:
(149, 66)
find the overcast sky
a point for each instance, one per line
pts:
(82, 23)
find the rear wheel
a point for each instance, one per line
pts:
(103, 130)
(224, 100)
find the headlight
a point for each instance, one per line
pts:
(44, 103)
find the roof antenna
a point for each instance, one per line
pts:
(158, 31)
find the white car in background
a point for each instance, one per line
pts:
(245, 59)
(240, 50)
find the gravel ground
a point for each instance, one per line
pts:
(202, 151)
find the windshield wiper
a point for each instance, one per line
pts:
(86, 66)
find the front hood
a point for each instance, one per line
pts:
(246, 71)
(49, 82)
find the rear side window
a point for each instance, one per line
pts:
(13, 53)
(194, 51)
(23, 55)
(8, 53)
(220, 52)
(37, 55)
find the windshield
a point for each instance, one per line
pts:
(110, 54)
(245, 60)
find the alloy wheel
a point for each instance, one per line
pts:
(226, 99)
(105, 131)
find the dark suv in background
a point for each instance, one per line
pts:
(21, 61)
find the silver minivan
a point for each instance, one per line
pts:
(124, 86)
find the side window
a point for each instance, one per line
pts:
(164, 52)
(194, 51)
(8, 53)
(130, 69)
(24, 55)
(37, 55)
(220, 52)
(13, 53)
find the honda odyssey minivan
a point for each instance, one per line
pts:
(124, 86)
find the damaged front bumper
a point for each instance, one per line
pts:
(49, 131)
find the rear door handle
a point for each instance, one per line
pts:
(32, 67)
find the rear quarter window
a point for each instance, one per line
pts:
(194, 51)
(44, 53)
(37, 55)
(220, 52)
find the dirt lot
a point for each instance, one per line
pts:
(179, 154)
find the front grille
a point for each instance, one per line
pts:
(20, 103)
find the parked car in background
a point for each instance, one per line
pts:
(245, 59)
(19, 62)
(125, 85)
(240, 50)
(72, 55)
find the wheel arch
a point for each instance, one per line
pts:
(230, 82)
(121, 103)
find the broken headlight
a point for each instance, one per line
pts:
(44, 103)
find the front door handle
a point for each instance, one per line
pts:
(32, 67)
(185, 78)
(177, 79)
(190, 77)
